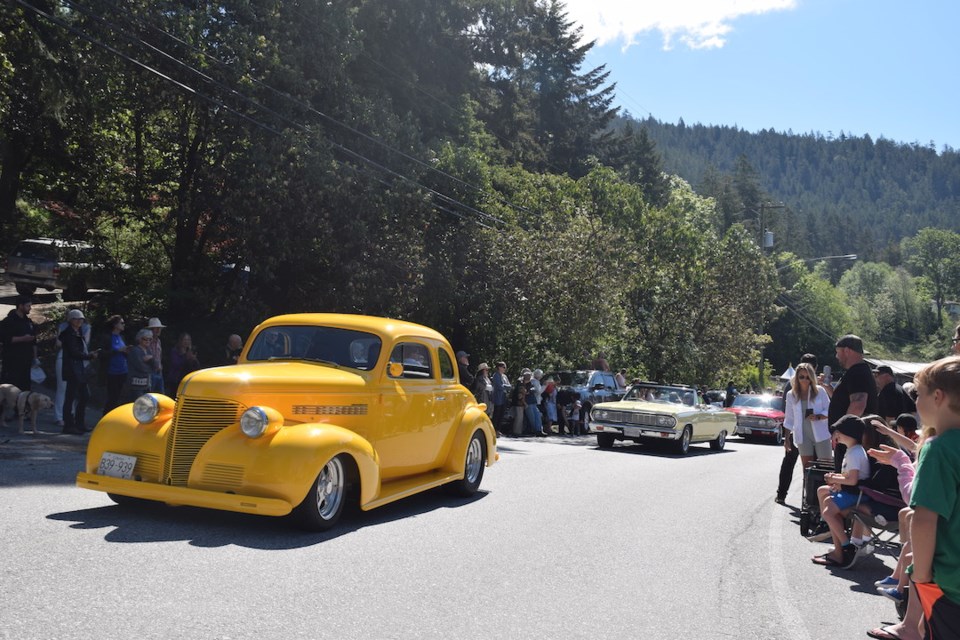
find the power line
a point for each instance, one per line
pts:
(251, 120)
(285, 96)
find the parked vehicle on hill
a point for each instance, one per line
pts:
(70, 265)
(321, 412)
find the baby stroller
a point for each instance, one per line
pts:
(809, 506)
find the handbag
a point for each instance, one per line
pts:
(37, 376)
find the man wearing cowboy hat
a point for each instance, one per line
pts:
(156, 378)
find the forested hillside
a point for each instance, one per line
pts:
(844, 194)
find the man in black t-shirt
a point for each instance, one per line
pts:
(18, 334)
(857, 391)
(892, 400)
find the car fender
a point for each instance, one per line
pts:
(119, 432)
(284, 462)
(471, 420)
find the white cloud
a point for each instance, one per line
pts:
(699, 24)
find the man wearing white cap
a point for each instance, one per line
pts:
(75, 356)
(58, 401)
(156, 378)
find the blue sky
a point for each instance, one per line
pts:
(876, 67)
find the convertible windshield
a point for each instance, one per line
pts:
(329, 345)
(758, 402)
(662, 394)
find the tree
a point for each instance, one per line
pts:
(935, 255)
(538, 93)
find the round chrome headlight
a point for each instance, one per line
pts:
(145, 408)
(666, 421)
(254, 422)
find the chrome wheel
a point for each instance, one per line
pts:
(329, 494)
(683, 444)
(718, 443)
(331, 486)
(474, 461)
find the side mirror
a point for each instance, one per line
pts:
(395, 370)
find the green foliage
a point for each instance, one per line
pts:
(448, 163)
(856, 194)
(934, 254)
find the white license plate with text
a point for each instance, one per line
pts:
(631, 432)
(116, 465)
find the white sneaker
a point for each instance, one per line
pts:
(864, 550)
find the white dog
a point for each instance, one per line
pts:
(8, 398)
(29, 404)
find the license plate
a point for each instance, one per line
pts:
(116, 465)
(29, 268)
(631, 432)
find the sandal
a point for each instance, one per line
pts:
(826, 560)
(883, 633)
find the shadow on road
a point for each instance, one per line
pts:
(663, 450)
(156, 522)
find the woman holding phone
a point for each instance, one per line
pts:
(806, 415)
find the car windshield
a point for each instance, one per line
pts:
(758, 402)
(662, 394)
(328, 345)
(36, 251)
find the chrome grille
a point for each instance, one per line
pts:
(629, 417)
(320, 410)
(752, 421)
(195, 421)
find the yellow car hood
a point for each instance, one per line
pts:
(273, 377)
(641, 406)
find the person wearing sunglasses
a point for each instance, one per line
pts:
(805, 415)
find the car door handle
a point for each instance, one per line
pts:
(441, 398)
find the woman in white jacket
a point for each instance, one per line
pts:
(806, 415)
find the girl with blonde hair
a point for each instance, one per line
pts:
(805, 415)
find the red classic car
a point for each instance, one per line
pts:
(759, 415)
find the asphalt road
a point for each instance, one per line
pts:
(563, 541)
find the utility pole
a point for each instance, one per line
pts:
(765, 241)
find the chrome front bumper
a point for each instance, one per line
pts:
(630, 431)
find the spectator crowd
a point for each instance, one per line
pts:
(880, 457)
(124, 370)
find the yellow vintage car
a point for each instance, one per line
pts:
(652, 412)
(321, 412)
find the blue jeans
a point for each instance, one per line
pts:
(156, 382)
(532, 414)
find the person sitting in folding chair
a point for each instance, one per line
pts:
(842, 493)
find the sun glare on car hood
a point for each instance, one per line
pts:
(275, 376)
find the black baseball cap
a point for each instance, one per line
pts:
(851, 341)
(849, 425)
(884, 369)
